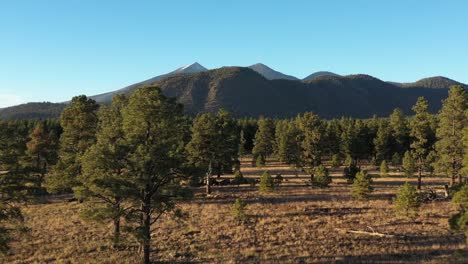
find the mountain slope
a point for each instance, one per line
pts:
(437, 82)
(244, 92)
(269, 73)
(191, 68)
(319, 74)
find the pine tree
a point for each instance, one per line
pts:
(267, 183)
(42, 151)
(399, 131)
(409, 165)
(407, 201)
(264, 138)
(79, 123)
(452, 121)
(459, 221)
(322, 178)
(420, 132)
(104, 179)
(383, 169)
(336, 161)
(14, 181)
(287, 147)
(311, 130)
(155, 132)
(214, 144)
(239, 178)
(238, 210)
(382, 143)
(362, 186)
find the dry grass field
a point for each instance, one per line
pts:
(295, 224)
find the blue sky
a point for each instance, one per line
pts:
(53, 50)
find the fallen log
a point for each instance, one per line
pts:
(372, 233)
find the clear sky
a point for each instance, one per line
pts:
(53, 50)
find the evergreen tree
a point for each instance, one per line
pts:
(42, 151)
(459, 221)
(409, 165)
(267, 183)
(287, 147)
(155, 132)
(264, 138)
(322, 178)
(452, 121)
(362, 186)
(14, 181)
(336, 161)
(312, 141)
(239, 178)
(79, 123)
(407, 201)
(420, 132)
(350, 172)
(399, 132)
(382, 143)
(214, 144)
(104, 179)
(383, 169)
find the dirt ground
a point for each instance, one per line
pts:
(295, 224)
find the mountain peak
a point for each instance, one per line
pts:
(269, 73)
(194, 67)
(319, 74)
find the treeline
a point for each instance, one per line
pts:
(136, 158)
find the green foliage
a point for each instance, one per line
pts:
(238, 210)
(336, 161)
(409, 165)
(452, 121)
(396, 159)
(260, 161)
(287, 147)
(264, 138)
(312, 131)
(383, 169)
(79, 122)
(267, 183)
(242, 141)
(362, 186)
(399, 129)
(350, 172)
(215, 140)
(459, 221)
(407, 201)
(382, 142)
(321, 177)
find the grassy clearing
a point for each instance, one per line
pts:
(295, 224)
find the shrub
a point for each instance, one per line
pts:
(362, 186)
(407, 201)
(266, 183)
(260, 161)
(238, 210)
(409, 165)
(350, 173)
(384, 169)
(321, 177)
(239, 178)
(336, 161)
(396, 160)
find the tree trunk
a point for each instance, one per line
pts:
(312, 178)
(452, 181)
(208, 187)
(460, 178)
(146, 239)
(419, 178)
(116, 231)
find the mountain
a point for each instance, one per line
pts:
(319, 74)
(32, 111)
(191, 68)
(437, 82)
(246, 93)
(269, 73)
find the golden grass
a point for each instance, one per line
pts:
(295, 224)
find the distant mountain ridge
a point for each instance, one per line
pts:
(246, 91)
